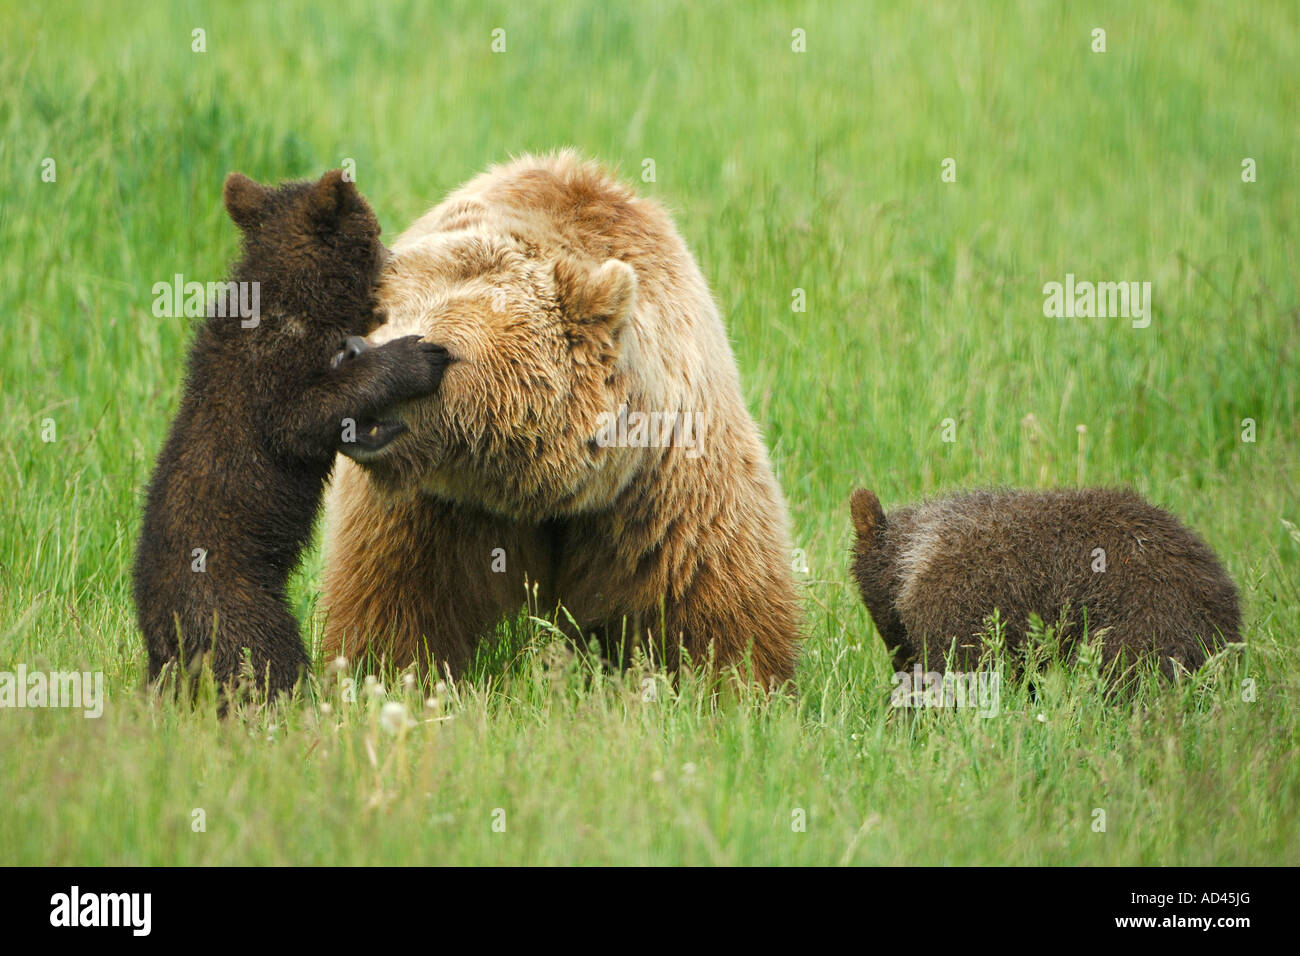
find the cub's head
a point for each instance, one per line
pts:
(870, 566)
(539, 343)
(313, 248)
(868, 518)
(875, 569)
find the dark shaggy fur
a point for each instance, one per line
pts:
(931, 574)
(263, 413)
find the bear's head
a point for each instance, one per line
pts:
(539, 341)
(313, 248)
(875, 570)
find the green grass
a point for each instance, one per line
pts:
(818, 171)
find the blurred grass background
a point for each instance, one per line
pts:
(817, 170)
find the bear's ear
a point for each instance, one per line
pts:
(244, 200)
(868, 516)
(605, 293)
(333, 197)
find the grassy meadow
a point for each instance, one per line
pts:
(821, 171)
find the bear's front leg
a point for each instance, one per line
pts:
(645, 575)
(409, 577)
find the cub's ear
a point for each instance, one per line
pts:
(244, 200)
(589, 293)
(868, 516)
(333, 197)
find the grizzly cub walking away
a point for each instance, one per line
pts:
(1144, 584)
(237, 484)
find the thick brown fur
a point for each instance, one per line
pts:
(561, 295)
(238, 482)
(932, 574)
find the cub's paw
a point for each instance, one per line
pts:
(415, 367)
(388, 375)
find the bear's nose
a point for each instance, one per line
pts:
(350, 348)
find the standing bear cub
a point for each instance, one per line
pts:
(590, 438)
(237, 484)
(932, 574)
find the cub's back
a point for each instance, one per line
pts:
(1131, 565)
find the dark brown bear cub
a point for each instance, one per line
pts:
(1146, 585)
(267, 403)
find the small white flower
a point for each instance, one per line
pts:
(688, 769)
(1041, 718)
(325, 708)
(392, 717)
(408, 680)
(339, 664)
(440, 688)
(657, 776)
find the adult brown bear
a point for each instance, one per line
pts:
(589, 436)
